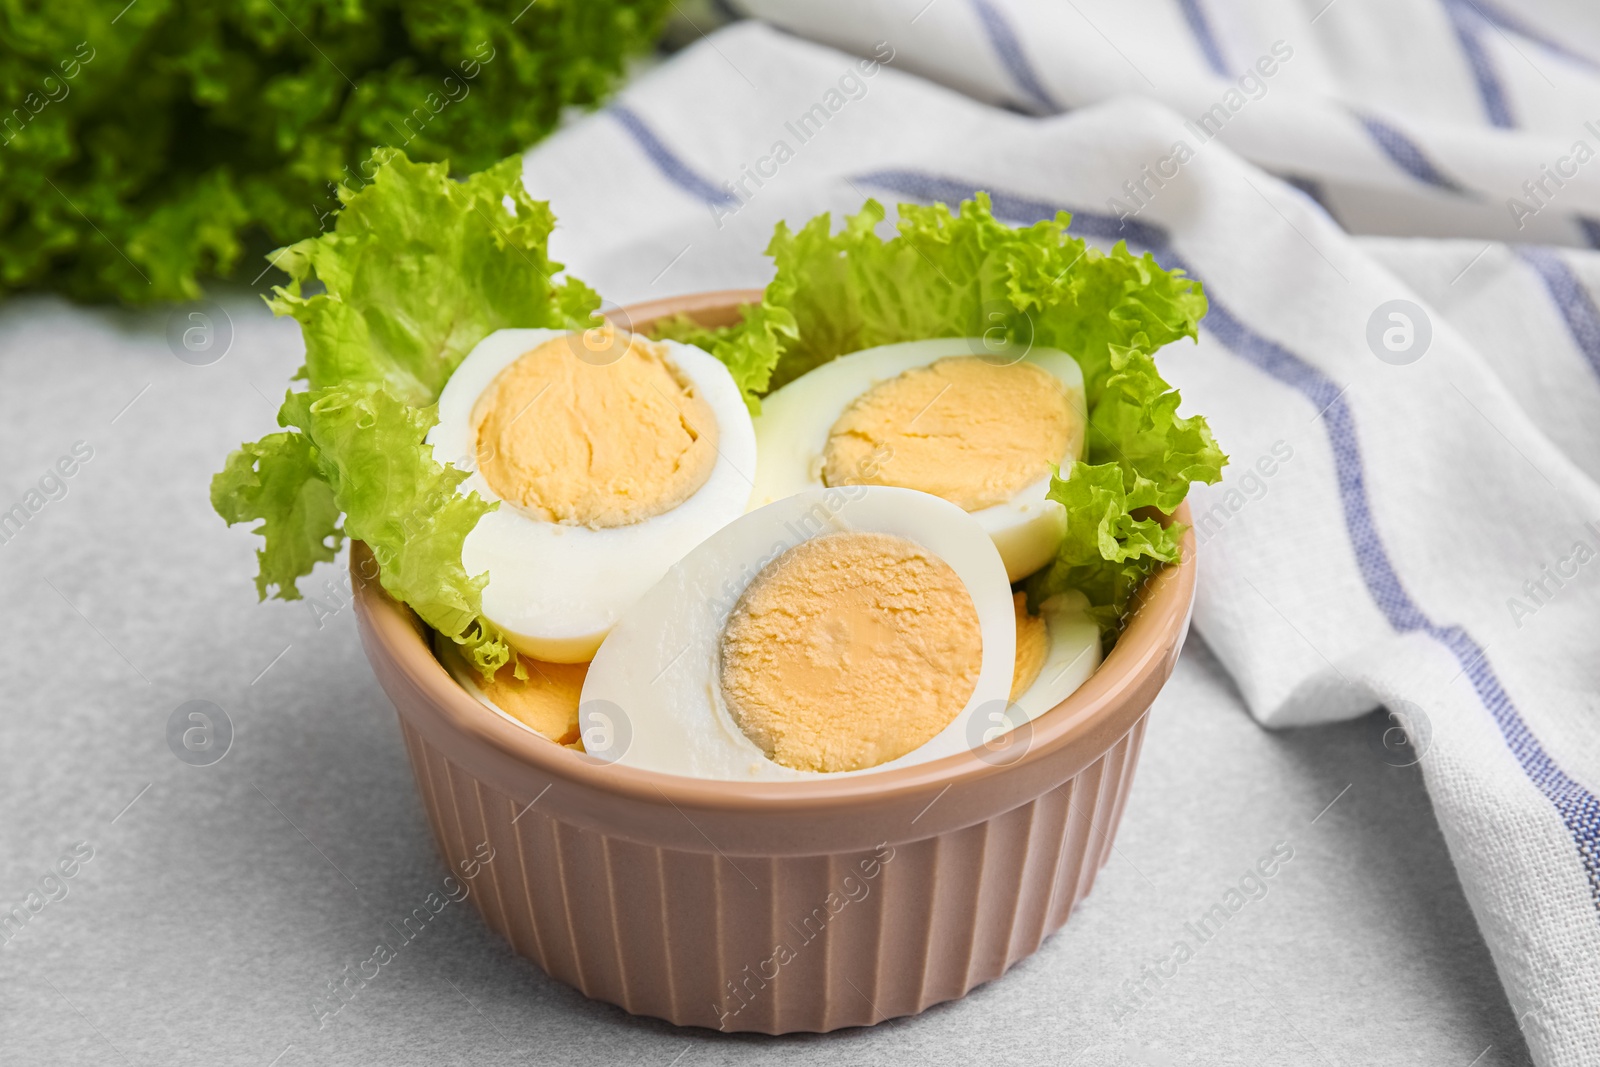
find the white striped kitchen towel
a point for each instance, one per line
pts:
(1411, 517)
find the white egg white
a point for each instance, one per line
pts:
(1073, 654)
(653, 695)
(556, 590)
(792, 434)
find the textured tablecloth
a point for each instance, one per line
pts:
(209, 908)
(219, 901)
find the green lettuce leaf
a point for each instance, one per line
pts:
(1107, 552)
(402, 503)
(417, 270)
(277, 481)
(749, 350)
(967, 274)
(1136, 425)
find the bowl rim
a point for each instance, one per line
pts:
(1108, 699)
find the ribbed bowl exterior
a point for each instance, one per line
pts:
(779, 906)
(693, 936)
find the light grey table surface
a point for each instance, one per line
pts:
(220, 900)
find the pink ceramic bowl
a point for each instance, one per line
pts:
(775, 907)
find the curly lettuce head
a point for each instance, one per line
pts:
(144, 146)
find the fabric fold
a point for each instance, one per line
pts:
(1413, 458)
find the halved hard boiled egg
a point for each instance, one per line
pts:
(1057, 650)
(545, 700)
(610, 461)
(978, 426)
(834, 631)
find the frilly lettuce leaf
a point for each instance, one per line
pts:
(1106, 551)
(277, 481)
(968, 274)
(1143, 458)
(418, 269)
(749, 350)
(1136, 426)
(402, 503)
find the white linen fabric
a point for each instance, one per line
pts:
(1411, 517)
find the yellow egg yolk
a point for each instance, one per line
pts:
(546, 701)
(849, 650)
(961, 428)
(572, 441)
(1033, 645)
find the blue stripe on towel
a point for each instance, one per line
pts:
(1003, 38)
(676, 170)
(1469, 22)
(1578, 808)
(1577, 307)
(1404, 152)
(1204, 37)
